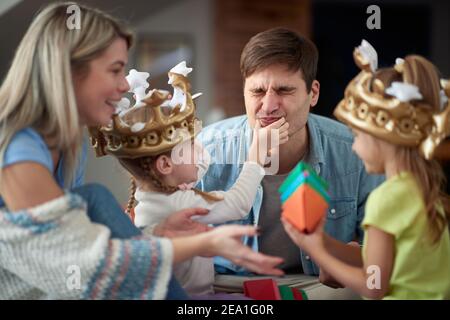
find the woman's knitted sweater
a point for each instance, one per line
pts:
(53, 251)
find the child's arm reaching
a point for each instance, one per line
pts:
(372, 280)
(238, 201)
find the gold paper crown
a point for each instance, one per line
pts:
(150, 129)
(388, 118)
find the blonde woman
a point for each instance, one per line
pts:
(60, 81)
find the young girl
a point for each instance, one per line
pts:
(162, 174)
(398, 115)
(60, 239)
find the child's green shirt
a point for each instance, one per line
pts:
(420, 270)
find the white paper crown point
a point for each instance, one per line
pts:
(399, 61)
(139, 93)
(198, 94)
(369, 54)
(123, 104)
(404, 91)
(137, 79)
(138, 126)
(181, 68)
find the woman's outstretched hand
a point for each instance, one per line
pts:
(180, 224)
(226, 241)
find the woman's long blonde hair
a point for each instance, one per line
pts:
(38, 90)
(429, 174)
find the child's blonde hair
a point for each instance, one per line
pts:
(429, 174)
(38, 90)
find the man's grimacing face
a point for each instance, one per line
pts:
(275, 92)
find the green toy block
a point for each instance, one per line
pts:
(286, 292)
(304, 295)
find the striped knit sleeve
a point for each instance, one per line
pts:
(55, 248)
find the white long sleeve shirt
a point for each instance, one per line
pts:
(197, 274)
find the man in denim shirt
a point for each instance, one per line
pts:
(279, 69)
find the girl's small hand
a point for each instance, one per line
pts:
(309, 242)
(264, 143)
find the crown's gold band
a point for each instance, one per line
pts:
(148, 130)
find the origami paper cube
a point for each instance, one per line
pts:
(304, 198)
(303, 173)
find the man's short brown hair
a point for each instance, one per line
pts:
(280, 46)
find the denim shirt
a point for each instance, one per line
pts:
(330, 154)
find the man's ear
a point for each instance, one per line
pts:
(163, 165)
(315, 92)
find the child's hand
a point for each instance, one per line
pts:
(312, 242)
(266, 141)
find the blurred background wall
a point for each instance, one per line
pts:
(210, 35)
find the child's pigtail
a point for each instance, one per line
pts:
(131, 199)
(207, 196)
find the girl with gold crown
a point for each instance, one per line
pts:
(399, 116)
(164, 160)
